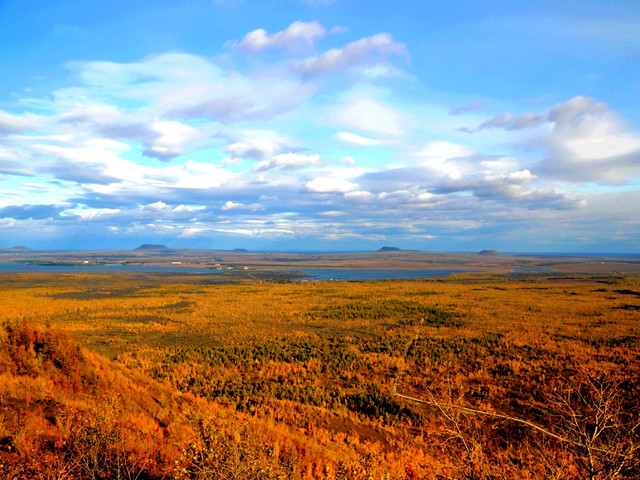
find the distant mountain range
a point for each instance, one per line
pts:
(489, 252)
(389, 249)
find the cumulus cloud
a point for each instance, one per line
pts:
(171, 139)
(255, 149)
(445, 158)
(405, 196)
(295, 35)
(288, 160)
(83, 164)
(590, 142)
(360, 196)
(330, 185)
(229, 205)
(362, 51)
(161, 139)
(371, 116)
(575, 110)
(584, 141)
(513, 187)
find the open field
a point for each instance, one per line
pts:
(321, 375)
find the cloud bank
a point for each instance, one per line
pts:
(280, 138)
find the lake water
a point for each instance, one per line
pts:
(112, 268)
(353, 274)
(309, 273)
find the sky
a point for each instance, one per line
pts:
(319, 125)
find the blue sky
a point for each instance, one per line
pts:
(320, 125)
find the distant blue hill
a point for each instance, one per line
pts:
(17, 248)
(151, 246)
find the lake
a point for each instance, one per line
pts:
(358, 274)
(110, 268)
(298, 274)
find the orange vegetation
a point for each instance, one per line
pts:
(509, 378)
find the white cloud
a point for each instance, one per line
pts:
(295, 35)
(370, 116)
(358, 140)
(188, 208)
(229, 161)
(513, 187)
(359, 52)
(583, 140)
(101, 169)
(159, 205)
(590, 142)
(107, 144)
(162, 139)
(288, 160)
(499, 164)
(93, 213)
(589, 131)
(330, 185)
(360, 196)
(513, 179)
(191, 231)
(178, 104)
(574, 109)
(18, 123)
(172, 137)
(444, 158)
(186, 86)
(232, 206)
(521, 177)
(251, 148)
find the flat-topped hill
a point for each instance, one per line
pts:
(389, 249)
(17, 248)
(151, 246)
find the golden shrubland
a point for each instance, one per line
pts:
(474, 376)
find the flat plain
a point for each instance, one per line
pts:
(479, 375)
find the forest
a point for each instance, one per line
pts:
(472, 376)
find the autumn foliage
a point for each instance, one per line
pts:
(470, 377)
